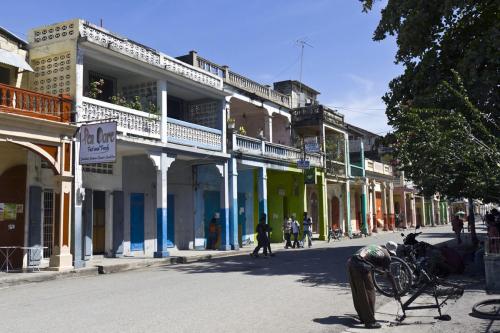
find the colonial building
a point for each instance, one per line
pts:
(36, 166)
(170, 176)
(264, 176)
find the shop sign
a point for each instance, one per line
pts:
(303, 164)
(310, 176)
(98, 143)
(311, 145)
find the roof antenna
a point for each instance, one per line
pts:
(303, 42)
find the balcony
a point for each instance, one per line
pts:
(356, 171)
(32, 104)
(334, 168)
(145, 125)
(236, 80)
(313, 115)
(251, 146)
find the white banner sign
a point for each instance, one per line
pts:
(98, 143)
(311, 144)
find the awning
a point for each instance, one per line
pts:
(13, 59)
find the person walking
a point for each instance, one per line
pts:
(295, 232)
(261, 230)
(457, 225)
(307, 225)
(287, 230)
(359, 271)
(267, 247)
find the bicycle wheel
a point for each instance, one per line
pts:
(489, 308)
(402, 277)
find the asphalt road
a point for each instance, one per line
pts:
(303, 290)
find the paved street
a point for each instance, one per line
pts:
(296, 291)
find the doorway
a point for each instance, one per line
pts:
(98, 222)
(137, 221)
(335, 213)
(314, 213)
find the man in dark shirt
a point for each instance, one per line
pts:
(359, 268)
(262, 238)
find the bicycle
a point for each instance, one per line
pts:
(336, 234)
(489, 309)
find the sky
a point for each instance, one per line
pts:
(255, 38)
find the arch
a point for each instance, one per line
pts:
(335, 213)
(41, 150)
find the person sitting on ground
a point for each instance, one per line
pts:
(359, 271)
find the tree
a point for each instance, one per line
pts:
(444, 108)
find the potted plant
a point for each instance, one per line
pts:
(231, 123)
(242, 130)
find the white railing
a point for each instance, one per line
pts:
(189, 134)
(143, 124)
(140, 52)
(378, 167)
(256, 147)
(129, 121)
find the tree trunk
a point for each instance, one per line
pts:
(472, 223)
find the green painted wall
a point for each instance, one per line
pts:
(291, 184)
(323, 206)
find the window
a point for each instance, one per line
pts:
(108, 88)
(48, 222)
(4, 75)
(103, 168)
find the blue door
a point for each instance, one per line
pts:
(211, 204)
(137, 221)
(171, 220)
(242, 227)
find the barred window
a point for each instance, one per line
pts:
(104, 168)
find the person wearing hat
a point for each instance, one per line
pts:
(359, 271)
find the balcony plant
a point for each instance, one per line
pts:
(231, 123)
(242, 130)
(95, 88)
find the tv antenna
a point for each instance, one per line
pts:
(302, 42)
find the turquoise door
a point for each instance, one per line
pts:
(137, 221)
(241, 216)
(171, 220)
(211, 202)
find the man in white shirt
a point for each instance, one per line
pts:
(295, 232)
(307, 230)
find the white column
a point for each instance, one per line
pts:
(224, 210)
(413, 211)
(433, 222)
(423, 210)
(384, 205)
(161, 100)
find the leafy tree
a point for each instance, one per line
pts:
(445, 106)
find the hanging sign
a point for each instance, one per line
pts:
(98, 143)
(311, 144)
(303, 164)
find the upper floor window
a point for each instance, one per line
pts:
(4, 75)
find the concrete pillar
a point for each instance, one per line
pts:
(423, 210)
(364, 223)
(78, 194)
(323, 208)
(433, 222)
(161, 206)
(413, 211)
(62, 258)
(224, 209)
(384, 206)
(262, 192)
(373, 208)
(268, 128)
(233, 207)
(404, 220)
(347, 196)
(161, 100)
(392, 221)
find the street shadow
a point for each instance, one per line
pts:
(313, 267)
(348, 320)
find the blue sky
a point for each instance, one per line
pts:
(256, 38)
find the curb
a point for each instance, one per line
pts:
(74, 273)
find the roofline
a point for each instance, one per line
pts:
(301, 83)
(13, 36)
(360, 129)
